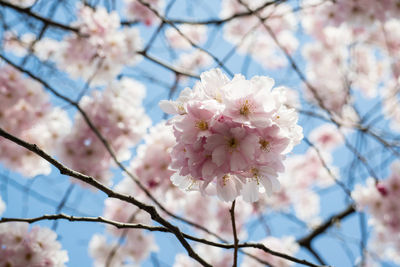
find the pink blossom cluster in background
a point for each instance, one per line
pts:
(214, 214)
(254, 38)
(118, 115)
(98, 52)
(151, 166)
(37, 247)
(26, 112)
(381, 200)
(232, 134)
(135, 10)
(191, 59)
(354, 13)
(303, 174)
(356, 43)
(138, 243)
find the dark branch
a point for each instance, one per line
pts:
(306, 240)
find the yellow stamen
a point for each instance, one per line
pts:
(202, 125)
(245, 109)
(225, 178)
(264, 145)
(233, 143)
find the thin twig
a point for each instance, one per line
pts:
(235, 238)
(31, 14)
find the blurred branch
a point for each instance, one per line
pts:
(216, 22)
(28, 12)
(219, 62)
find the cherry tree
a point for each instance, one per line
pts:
(199, 133)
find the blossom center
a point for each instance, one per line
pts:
(218, 97)
(28, 256)
(264, 145)
(181, 109)
(256, 174)
(232, 142)
(202, 125)
(225, 178)
(245, 108)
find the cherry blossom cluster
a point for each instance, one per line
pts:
(303, 173)
(99, 51)
(18, 45)
(26, 112)
(118, 115)
(253, 38)
(380, 199)
(138, 245)
(353, 13)
(232, 135)
(37, 247)
(344, 56)
(135, 10)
